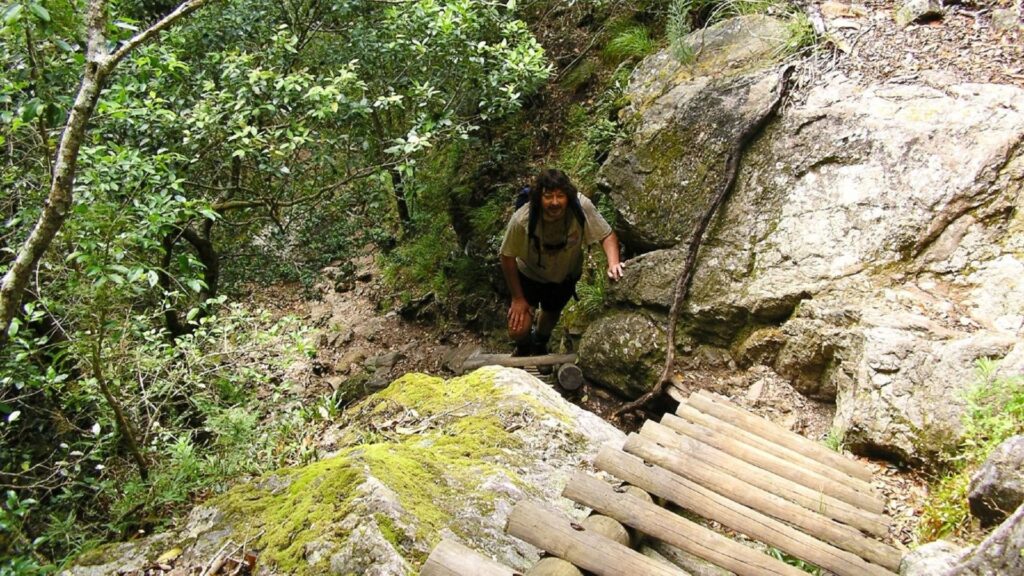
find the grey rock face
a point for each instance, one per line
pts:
(663, 179)
(871, 251)
(997, 488)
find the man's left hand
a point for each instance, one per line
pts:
(615, 271)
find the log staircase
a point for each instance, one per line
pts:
(724, 464)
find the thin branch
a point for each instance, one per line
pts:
(183, 9)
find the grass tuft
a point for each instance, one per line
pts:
(995, 412)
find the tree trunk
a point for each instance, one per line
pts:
(58, 202)
(211, 276)
(398, 184)
(98, 65)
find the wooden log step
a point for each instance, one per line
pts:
(707, 503)
(478, 360)
(775, 464)
(673, 529)
(552, 566)
(809, 498)
(727, 411)
(797, 459)
(675, 454)
(557, 535)
(449, 558)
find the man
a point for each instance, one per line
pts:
(542, 257)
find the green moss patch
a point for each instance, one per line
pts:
(431, 442)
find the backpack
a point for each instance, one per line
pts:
(523, 197)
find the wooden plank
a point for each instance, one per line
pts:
(798, 459)
(807, 497)
(674, 529)
(724, 410)
(774, 464)
(676, 455)
(559, 536)
(552, 566)
(480, 360)
(707, 503)
(449, 558)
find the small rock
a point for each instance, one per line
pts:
(930, 559)
(336, 382)
(918, 11)
(755, 391)
(386, 361)
(1005, 20)
(997, 488)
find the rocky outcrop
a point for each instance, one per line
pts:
(871, 251)
(999, 553)
(421, 460)
(997, 488)
(661, 184)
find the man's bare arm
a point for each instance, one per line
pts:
(610, 245)
(519, 313)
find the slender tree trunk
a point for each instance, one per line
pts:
(124, 428)
(211, 274)
(398, 184)
(99, 63)
(58, 202)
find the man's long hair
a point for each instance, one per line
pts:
(551, 179)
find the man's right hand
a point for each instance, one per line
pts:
(520, 315)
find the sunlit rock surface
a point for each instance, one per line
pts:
(871, 252)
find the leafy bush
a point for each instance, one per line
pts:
(995, 412)
(194, 409)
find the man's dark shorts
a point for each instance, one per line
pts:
(551, 297)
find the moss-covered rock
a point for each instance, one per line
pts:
(423, 459)
(624, 351)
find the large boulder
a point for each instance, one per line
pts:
(661, 181)
(998, 554)
(421, 460)
(625, 351)
(871, 251)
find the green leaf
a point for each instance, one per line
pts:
(32, 109)
(39, 11)
(63, 45)
(13, 13)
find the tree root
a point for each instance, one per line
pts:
(682, 286)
